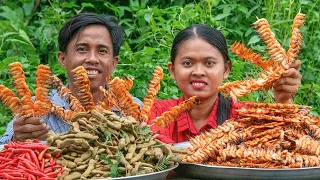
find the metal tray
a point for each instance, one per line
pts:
(160, 175)
(201, 171)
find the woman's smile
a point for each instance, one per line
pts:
(198, 84)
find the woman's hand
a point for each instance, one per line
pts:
(30, 128)
(287, 86)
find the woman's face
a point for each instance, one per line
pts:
(199, 69)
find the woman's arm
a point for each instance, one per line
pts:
(287, 86)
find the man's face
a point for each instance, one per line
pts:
(91, 48)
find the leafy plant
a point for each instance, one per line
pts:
(114, 169)
(162, 164)
(145, 130)
(107, 136)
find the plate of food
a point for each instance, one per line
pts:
(159, 175)
(182, 145)
(202, 171)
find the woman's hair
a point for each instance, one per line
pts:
(216, 39)
(204, 32)
(223, 111)
(79, 22)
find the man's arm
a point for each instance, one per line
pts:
(30, 128)
(136, 100)
(7, 136)
(36, 127)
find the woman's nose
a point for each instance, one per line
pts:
(198, 71)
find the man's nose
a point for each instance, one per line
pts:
(92, 57)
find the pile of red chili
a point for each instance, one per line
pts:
(28, 160)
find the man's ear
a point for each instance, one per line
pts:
(115, 63)
(62, 59)
(171, 70)
(227, 70)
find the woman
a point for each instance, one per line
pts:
(199, 64)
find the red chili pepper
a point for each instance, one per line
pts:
(14, 162)
(20, 167)
(58, 154)
(25, 159)
(26, 145)
(47, 178)
(6, 146)
(47, 170)
(16, 174)
(42, 165)
(27, 156)
(8, 155)
(51, 162)
(5, 159)
(19, 151)
(12, 173)
(37, 152)
(26, 165)
(25, 174)
(11, 170)
(57, 167)
(54, 174)
(7, 176)
(32, 177)
(30, 146)
(36, 173)
(40, 157)
(35, 159)
(47, 155)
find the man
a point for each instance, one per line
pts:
(89, 40)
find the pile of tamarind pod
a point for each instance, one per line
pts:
(262, 136)
(100, 145)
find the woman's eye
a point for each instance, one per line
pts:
(187, 63)
(210, 63)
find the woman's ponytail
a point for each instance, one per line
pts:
(223, 112)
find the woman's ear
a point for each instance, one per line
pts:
(62, 59)
(171, 70)
(227, 70)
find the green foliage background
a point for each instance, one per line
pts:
(29, 30)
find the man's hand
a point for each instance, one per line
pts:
(30, 128)
(288, 85)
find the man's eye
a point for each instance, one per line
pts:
(103, 51)
(81, 49)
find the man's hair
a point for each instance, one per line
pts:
(78, 22)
